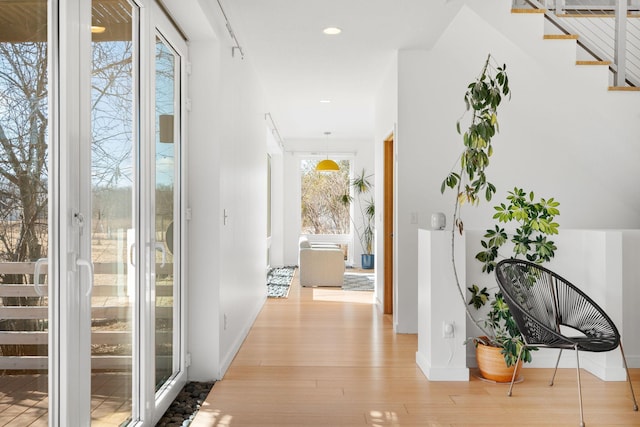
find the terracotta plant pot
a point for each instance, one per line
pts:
(492, 366)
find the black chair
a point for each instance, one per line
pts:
(541, 302)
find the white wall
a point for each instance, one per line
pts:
(602, 263)
(563, 134)
(227, 170)
(203, 288)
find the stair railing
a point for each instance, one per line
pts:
(608, 31)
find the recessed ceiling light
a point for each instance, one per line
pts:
(325, 101)
(332, 31)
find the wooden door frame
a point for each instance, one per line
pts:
(388, 220)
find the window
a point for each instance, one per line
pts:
(326, 204)
(324, 210)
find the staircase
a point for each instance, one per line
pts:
(594, 30)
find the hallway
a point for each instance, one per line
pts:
(324, 357)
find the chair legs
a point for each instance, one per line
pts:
(553, 377)
(624, 360)
(579, 385)
(515, 371)
(633, 396)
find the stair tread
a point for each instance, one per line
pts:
(594, 62)
(624, 89)
(516, 10)
(575, 37)
(561, 37)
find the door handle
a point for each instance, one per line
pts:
(132, 249)
(36, 274)
(160, 247)
(81, 262)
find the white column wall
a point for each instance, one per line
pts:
(203, 289)
(602, 263)
(440, 357)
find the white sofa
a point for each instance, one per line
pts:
(320, 264)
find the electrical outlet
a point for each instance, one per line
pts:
(448, 329)
(414, 217)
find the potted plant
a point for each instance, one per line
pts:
(362, 187)
(482, 99)
(535, 223)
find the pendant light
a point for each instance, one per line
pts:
(327, 165)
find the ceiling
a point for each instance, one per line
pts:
(299, 65)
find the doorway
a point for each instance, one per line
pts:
(389, 160)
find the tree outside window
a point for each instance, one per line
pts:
(323, 211)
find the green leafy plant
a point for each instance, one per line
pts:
(483, 97)
(535, 219)
(362, 187)
(535, 222)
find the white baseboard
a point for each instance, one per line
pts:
(441, 373)
(225, 361)
(545, 359)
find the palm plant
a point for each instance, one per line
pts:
(362, 186)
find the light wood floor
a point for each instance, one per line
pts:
(326, 357)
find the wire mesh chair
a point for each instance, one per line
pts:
(541, 302)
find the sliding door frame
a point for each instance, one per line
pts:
(69, 71)
(160, 25)
(69, 306)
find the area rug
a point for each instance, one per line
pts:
(358, 282)
(279, 281)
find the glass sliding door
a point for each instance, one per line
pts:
(167, 205)
(24, 221)
(91, 327)
(114, 190)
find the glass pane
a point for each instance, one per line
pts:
(113, 150)
(23, 212)
(324, 209)
(167, 145)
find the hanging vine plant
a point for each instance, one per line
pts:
(482, 99)
(535, 219)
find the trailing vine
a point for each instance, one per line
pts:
(535, 219)
(482, 99)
